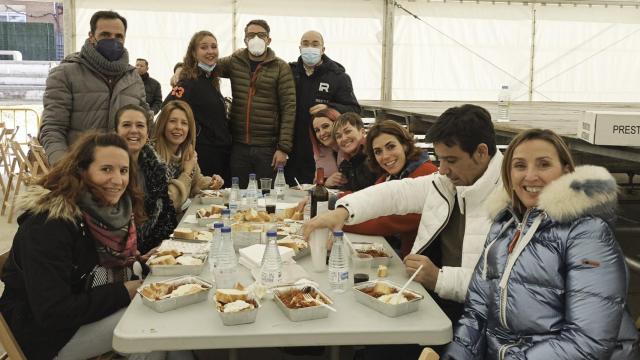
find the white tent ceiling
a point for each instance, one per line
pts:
(450, 50)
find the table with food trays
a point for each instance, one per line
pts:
(199, 326)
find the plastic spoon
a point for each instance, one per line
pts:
(396, 299)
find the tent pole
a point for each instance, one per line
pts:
(533, 51)
(387, 50)
(69, 28)
(234, 24)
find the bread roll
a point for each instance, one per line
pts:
(264, 216)
(184, 233)
(382, 271)
(173, 252)
(163, 260)
(288, 212)
(226, 296)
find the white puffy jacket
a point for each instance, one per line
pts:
(433, 196)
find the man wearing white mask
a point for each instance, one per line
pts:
(320, 83)
(263, 108)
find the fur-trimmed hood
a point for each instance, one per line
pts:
(589, 190)
(56, 207)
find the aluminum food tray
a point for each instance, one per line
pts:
(387, 309)
(180, 301)
(240, 317)
(303, 314)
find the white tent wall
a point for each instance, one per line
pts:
(160, 31)
(581, 53)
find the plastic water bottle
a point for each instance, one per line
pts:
(226, 217)
(252, 191)
(234, 195)
(271, 267)
(215, 244)
(280, 185)
(306, 212)
(338, 264)
(504, 103)
(226, 263)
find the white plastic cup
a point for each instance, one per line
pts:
(318, 245)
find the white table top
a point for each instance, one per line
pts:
(198, 326)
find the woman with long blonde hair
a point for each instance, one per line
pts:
(199, 86)
(175, 140)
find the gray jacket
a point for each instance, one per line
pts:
(79, 97)
(561, 292)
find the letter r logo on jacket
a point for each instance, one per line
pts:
(323, 87)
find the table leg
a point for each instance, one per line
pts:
(334, 352)
(233, 354)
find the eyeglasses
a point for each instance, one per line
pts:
(261, 35)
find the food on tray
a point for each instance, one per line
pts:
(296, 242)
(252, 215)
(375, 250)
(290, 227)
(213, 212)
(294, 298)
(173, 252)
(230, 295)
(188, 260)
(158, 291)
(382, 271)
(173, 257)
(184, 233)
(385, 293)
(163, 260)
(204, 235)
(212, 193)
(236, 306)
(186, 289)
(393, 299)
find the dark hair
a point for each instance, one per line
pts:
(190, 68)
(105, 14)
(404, 137)
(177, 65)
(145, 61)
(67, 179)
(466, 126)
(259, 22)
(564, 154)
(348, 118)
(133, 107)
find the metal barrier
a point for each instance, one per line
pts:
(27, 120)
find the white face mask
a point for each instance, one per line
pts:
(256, 46)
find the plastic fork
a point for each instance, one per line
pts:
(308, 297)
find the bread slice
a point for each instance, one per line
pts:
(184, 233)
(163, 260)
(226, 296)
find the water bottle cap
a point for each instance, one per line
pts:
(218, 225)
(226, 211)
(235, 179)
(280, 167)
(252, 176)
(226, 229)
(272, 233)
(338, 233)
(504, 87)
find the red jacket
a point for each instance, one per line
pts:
(404, 225)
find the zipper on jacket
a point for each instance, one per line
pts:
(252, 92)
(503, 349)
(450, 210)
(488, 247)
(503, 291)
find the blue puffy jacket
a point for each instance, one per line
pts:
(561, 292)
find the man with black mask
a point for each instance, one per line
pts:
(86, 90)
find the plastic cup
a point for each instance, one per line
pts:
(361, 265)
(318, 245)
(265, 183)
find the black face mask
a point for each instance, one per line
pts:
(111, 49)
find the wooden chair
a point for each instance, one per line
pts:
(24, 174)
(38, 159)
(428, 354)
(6, 137)
(11, 346)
